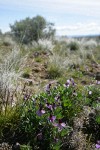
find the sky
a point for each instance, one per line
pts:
(71, 17)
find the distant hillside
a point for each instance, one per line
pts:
(79, 37)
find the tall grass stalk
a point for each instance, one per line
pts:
(10, 72)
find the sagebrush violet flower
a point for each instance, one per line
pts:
(54, 106)
(72, 82)
(60, 125)
(97, 82)
(49, 106)
(98, 145)
(57, 98)
(26, 97)
(40, 112)
(67, 84)
(48, 88)
(52, 118)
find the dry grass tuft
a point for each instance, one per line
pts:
(10, 71)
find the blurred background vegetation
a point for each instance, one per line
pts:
(31, 57)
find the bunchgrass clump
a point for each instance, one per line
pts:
(11, 70)
(45, 45)
(73, 46)
(56, 66)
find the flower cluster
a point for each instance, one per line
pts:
(49, 109)
(52, 119)
(69, 82)
(49, 115)
(54, 106)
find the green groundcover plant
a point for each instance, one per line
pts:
(45, 121)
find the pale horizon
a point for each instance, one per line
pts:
(71, 18)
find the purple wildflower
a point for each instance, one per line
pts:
(49, 106)
(57, 98)
(97, 82)
(40, 112)
(98, 144)
(56, 140)
(54, 106)
(72, 82)
(67, 84)
(52, 118)
(60, 125)
(68, 81)
(48, 88)
(25, 97)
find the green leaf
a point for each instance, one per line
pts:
(98, 119)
